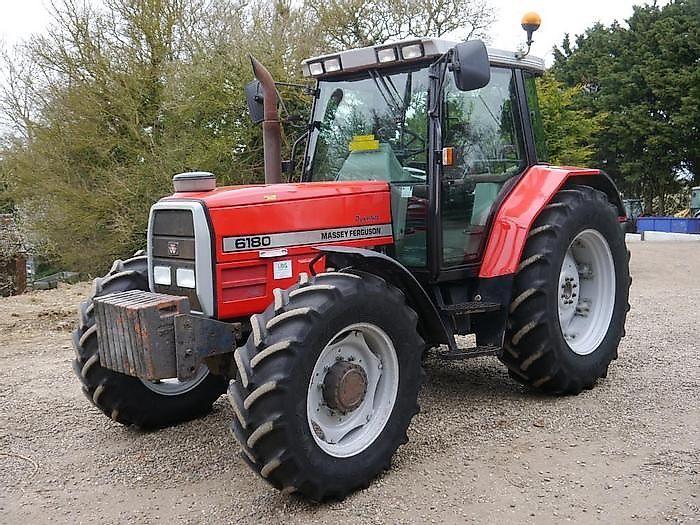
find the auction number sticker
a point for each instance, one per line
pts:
(282, 269)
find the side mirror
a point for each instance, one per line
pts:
(470, 65)
(254, 97)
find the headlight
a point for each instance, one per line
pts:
(161, 275)
(386, 55)
(332, 65)
(316, 68)
(412, 51)
(185, 278)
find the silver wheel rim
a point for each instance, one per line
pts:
(347, 434)
(175, 387)
(586, 292)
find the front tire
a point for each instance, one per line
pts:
(126, 399)
(570, 295)
(327, 384)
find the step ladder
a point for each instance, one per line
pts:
(454, 352)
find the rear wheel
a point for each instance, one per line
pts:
(570, 295)
(127, 399)
(327, 384)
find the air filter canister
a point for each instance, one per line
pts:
(194, 181)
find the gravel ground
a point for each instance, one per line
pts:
(483, 448)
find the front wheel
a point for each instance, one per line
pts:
(327, 384)
(570, 295)
(126, 399)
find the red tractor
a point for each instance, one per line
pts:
(423, 213)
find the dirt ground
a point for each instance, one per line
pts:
(483, 448)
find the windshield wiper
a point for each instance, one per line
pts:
(384, 91)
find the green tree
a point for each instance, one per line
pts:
(360, 23)
(569, 130)
(646, 78)
(96, 150)
(122, 94)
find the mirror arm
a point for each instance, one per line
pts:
(291, 164)
(305, 88)
(438, 70)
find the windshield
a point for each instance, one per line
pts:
(373, 127)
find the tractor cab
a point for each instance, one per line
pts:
(399, 113)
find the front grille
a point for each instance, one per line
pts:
(177, 223)
(173, 245)
(136, 334)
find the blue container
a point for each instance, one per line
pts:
(653, 224)
(644, 224)
(668, 224)
(688, 225)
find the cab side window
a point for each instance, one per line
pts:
(484, 128)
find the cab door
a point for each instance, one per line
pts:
(485, 131)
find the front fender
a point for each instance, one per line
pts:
(430, 324)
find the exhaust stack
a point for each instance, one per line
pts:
(272, 132)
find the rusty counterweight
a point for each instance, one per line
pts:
(153, 336)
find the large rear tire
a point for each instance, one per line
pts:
(570, 295)
(126, 399)
(327, 384)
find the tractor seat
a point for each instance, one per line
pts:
(372, 164)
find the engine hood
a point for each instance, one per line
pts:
(233, 196)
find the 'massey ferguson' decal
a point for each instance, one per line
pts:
(281, 240)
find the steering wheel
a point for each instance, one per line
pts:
(384, 135)
(414, 137)
(409, 149)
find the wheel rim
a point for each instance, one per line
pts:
(344, 433)
(586, 292)
(175, 387)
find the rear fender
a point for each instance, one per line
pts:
(601, 182)
(524, 203)
(430, 324)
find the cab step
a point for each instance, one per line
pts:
(472, 307)
(468, 353)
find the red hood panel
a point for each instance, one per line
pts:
(227, 196)
(290, 219)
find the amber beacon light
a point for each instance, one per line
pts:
(530, 22)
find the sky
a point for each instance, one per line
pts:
(20, 18)
(558, 18)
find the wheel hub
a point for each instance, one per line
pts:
(352, 390)
(586, 292)
(345, 386)
(568, 290)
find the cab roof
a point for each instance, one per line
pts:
(417, 49)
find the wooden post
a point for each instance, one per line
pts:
(20, 274)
